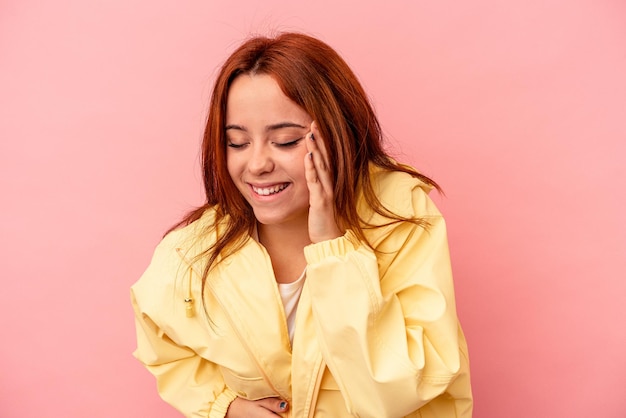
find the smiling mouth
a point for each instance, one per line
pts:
(267, 191)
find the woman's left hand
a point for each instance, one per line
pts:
(322, 222)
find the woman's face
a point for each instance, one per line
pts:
(265, 135)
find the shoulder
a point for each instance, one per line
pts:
(194, 237)
(173, 255)
(414, 223)
(401, 194)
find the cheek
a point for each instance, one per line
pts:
(235, 170)
(232, 166)
(297, 164)
(298, 174)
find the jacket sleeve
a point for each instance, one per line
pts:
(185, 380)
(386, 320)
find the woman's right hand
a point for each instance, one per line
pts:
(262, 408)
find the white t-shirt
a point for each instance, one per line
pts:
(290, 294)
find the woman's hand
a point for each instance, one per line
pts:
(322, 222)
(262, 408)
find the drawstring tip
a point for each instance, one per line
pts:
(189, 311)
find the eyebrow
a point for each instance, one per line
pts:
(268, 128)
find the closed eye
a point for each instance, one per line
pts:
(236, 146)
(290, 143)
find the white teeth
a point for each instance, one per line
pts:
(266, 191)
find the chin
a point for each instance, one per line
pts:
(269, 220)
(265, 218)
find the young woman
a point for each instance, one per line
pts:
(315, 281)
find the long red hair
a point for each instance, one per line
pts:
(316, 78)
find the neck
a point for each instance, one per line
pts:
(285, 246)
(284, 236)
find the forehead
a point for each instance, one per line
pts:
(259, 99)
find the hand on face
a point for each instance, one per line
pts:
(322, 223)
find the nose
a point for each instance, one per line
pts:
(261, 160)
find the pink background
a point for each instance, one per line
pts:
(517, 108)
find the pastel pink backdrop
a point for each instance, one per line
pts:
(517, 108)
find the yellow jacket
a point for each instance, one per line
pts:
(376, 333)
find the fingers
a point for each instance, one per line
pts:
(316, 164)
(316, 144)
(276, 405)
(262, 408)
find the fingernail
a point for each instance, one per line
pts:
(283, 405)
(312, 137)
